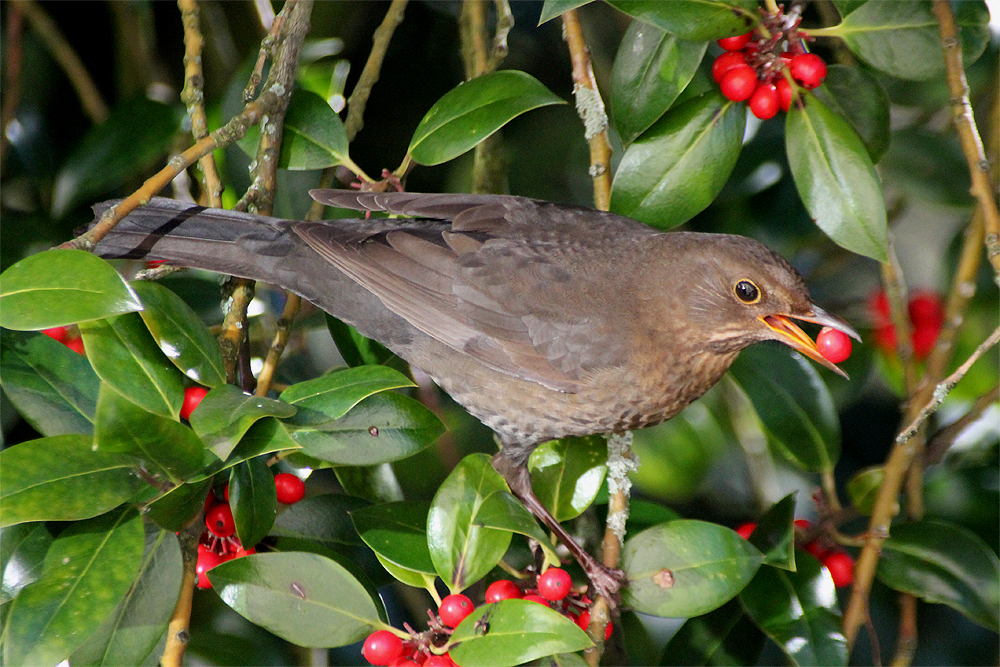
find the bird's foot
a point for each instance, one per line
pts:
(606, 582)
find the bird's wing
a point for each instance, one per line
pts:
(500, 300)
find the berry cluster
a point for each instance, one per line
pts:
(758, 67)
(838, 562)
(553, 588)
(218, 543)
(68, 336)
(926, 311)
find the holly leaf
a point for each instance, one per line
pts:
(697, 20)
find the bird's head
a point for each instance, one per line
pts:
(739, 292)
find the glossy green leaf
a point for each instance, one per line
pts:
(377, 483)
(774, 536)
(332, 395)
(863, 488)
(226, 414)
(697, 20)
(177, 508)
(355, 348)
(397, 533)
(725, 636)
(87, 571)
(136, 135)
(383, 427)
(686, 568)
(180, 334)
(130, 633)
(52, 387)
(164, 446)
(856, 95)
(474, 110)
(566, 474)
(253, 500)
(502, 511)
(835, 178)
(678, 166)
(903, 39)
(414, 578)
(798, 611)
(303, 598)
(22, 553)
(463, 550)
(513, 632)
(651, 69)
(944, 563)
(325, 519)
(59, 287)
(553, 8)
(794, 405)
(62, 479)
(313, 136)
(125, 356)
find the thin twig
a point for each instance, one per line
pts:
(281, 335)
(13, 57)
(178, 632)
(944, 438)
(373, 66)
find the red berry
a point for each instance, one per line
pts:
(382, 647)
(554, 584)
(834, 345)
(841, 567)
(726, 62)
(219, 520)
(209, 500)
(924, 338)
(808, 69)
(439, 661)
(192, 397)
(785, 93)
(803, 524)
(739, 83)
(926, 309)
(75, 344)
(584, 623)
(57, 333)
(454, 608)
(536, 598)
(735, 43)
(289, 488)
(404, 662)
(745, 529)
(225, 493)
(764, 101)
(504, 589)
(818, 551)
(206, 561)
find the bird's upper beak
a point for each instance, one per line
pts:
(790, 334)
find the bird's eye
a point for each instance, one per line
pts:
(747, 292)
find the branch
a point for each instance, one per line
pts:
(178, 631)
(944, 438)
(14, 58)
(369, 75)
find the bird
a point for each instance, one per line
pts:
(544, 320)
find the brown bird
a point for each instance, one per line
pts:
(543, 320)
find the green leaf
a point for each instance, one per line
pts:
(125, 356)
(226, 414)
(22, 553)
(686, 568)
(303, 598)
(929, 166)
(774, 535)
(176, 508)
(651, 69)
(857, 96)
(53, 388)
(794, 405)
(944, 563)
(313, 135)
(136, 135)
(355, 348)
(62, 479)
(253, 500)
(725, 636)
(566, 474)
(180, 334)
(462, 549)
(903, 39)
(164, 446)
(798, 610)
(513, 632)
(325, 519)
(381, 428)
(87, 571)
(835, 178)
(130, 634)
(59, 287)
(553, 8)
(397, 533)
(697, 20)
(334, 394)
(376, 483)
(863, 488)
(502, 511)
(466, 115)
(678, 166)
(414, 578)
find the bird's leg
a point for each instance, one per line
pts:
(606, 581)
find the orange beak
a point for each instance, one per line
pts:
(791, 335)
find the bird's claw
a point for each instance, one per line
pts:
(607, 582)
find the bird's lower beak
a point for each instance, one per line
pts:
(790, 334)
